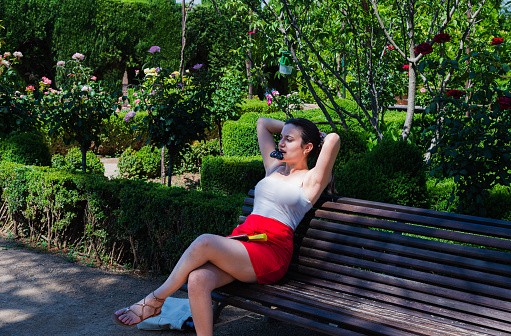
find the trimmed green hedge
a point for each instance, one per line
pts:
(393, 172)
(231, 175)
(25, 148)
(145, 225)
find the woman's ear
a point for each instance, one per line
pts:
(307, 148)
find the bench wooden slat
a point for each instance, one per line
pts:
(480, 229)
(422, 277)
(303, 283)
(434, 294)
(364, 310)
(282, 315)
(415, 229)
(409, 245)
(418, 211)
(340, 316)
(363, 248)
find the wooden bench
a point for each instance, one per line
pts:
(368, 268)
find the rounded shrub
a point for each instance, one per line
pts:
(130, 164)
(231, 175)
(73, 162)
(26, 149)
(393, 172)
(144, 163)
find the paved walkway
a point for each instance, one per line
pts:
(43, 294)
(111, 169)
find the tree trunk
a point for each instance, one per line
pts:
(162, 165)
(412, 72)
(83, 149)
(169, 181)
(219, 126)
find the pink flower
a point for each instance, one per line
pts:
(497, 40)
(424, 48)
(137, 101)
(134, 93)
(18, 54)
(505, 103)
(275, 93)
(197, 66)
(252, 32)
(423, 90)
(7, 54)
(136, 72)
(154, 49)
(269, 101)
(94, 78)
(406, 67)
(78, 56)
(390, 47)
(46, 81)
(441, 38)
(30, 88)
(61, 63)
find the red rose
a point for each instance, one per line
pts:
(497, 40)
(505, 103)
(456, 94)
(424, 48)
(406, 67)
(441, 38)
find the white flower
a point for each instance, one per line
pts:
(86, 88)
(4, 62)
(17, 54)
(61, 63)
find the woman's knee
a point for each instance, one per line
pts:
(203, 242)
(200, 280)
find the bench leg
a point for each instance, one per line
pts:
(217, 309)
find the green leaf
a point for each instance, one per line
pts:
(506, 67)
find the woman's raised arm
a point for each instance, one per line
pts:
(266, 127)
(322, 171)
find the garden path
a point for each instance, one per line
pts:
(43, 294)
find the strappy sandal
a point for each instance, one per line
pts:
(143, 305)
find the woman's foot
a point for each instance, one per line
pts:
(148, 307)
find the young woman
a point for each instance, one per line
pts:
(281, 200)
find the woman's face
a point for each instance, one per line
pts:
(290, 144)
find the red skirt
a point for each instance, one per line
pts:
(270, 259)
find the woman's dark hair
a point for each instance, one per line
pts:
(310, 133)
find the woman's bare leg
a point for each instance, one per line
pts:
(201, 282)
(228, 255)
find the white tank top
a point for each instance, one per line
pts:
(283, 201)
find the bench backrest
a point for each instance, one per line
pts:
(411, 257)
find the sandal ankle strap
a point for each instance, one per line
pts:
(157, 299)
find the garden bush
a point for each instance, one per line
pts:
(25, 148)
(393, 172)
(140, 224)
(121, 135)
(231, 175)
(144, 163)
(73, 162)
(191, 160)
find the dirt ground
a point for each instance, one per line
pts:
(43, 294)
